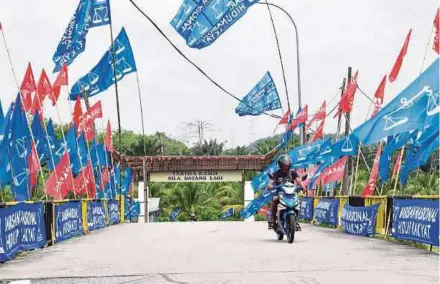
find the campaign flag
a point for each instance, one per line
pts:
(262, 180)
(307, 154)
(376, 108)
(20, 150)
(263, 97)
(126, 184)
(61, 80)
(96, 217)
(77, 111)
(40, 139)
(348, 96)
(27, 87)
(5, 160)
(371, 185)
(99, 156)
(86, 121)
(310, 172)
(83, 155)
(300, 118)
(174, 214)
(201, 23)
(411, 109)
(117, 62)
(68, 220)
(319, 115)
(228, 213)
(108, 141)
(380, 92)
(60, 180)
(284, 119)
(88, 14)
(436, 44)
(319, 132)
(334, 172)
(398, 64)
(346, 146)
(360, 221)
(398, 164)
(288, 133)
(416, 220)
(44, 88)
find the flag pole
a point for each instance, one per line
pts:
(117, 100)
(27, 120)
(142, 113)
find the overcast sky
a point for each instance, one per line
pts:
(364, 34)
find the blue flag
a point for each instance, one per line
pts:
(2, 115)
(103, 75)
(69, 146)
(40, 139)
(82, 151)
(228, 213)
(5, 122)
(20, 151)
(126, 184)
(99, 156)
(287, 134)
(263, 97)
(414, 107)
(201, 22)
(346, 146)
(5, 158)
(174, 214)
(394, 143)
(88, 14)
(262, 180)
(307, 154)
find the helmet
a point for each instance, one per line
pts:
(284, 162)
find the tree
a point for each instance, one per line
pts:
(211, 148)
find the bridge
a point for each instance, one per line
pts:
(222, 252)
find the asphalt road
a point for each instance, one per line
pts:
(222, 252)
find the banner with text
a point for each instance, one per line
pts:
(360, 221)
(114, 213)
(21, 228)
(197, 176)
(416, 220)
(306, 211)
(96, 215)
(327, 211)
(68, 221)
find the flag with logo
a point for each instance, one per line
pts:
(371, 185)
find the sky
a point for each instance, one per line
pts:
(364, 34)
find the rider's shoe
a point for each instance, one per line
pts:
(298, 227)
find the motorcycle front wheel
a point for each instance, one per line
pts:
(292, 228)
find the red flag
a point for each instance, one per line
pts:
(34, 166)
(310, 172)
(27, 87)
(1, 27)
(318, 134)
(320, 115)
(36, 107)
(84, 182)
(334, 173)
(61, 80)
(436, 44)
(398, 163)
(371, 185)
(77, 111)
(348, 96)
(381, 89)
(105, 178)
(283, 120)
(108, 143)
(44, 87)
(300, 117)
(87, 119)
(396, 68)
(376, 109)
(60, 180)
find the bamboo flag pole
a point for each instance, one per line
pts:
(142, 113)
(27, 119)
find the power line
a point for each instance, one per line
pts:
(192, 63)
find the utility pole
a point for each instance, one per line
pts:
(196, 130)
(348, 166)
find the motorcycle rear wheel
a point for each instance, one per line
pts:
(292, 229)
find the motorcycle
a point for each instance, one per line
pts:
(288, 210)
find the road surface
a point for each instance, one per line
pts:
(222, 252)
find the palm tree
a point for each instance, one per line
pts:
(211, 148)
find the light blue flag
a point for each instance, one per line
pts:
(88, 14)
(307, 154)
(346, 146)
(263, 97)
(201, 22)
(126, 184)
(411, 109)
(262, 180)
(103, 75)
(174, 214)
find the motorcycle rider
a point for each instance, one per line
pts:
(283, 175)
